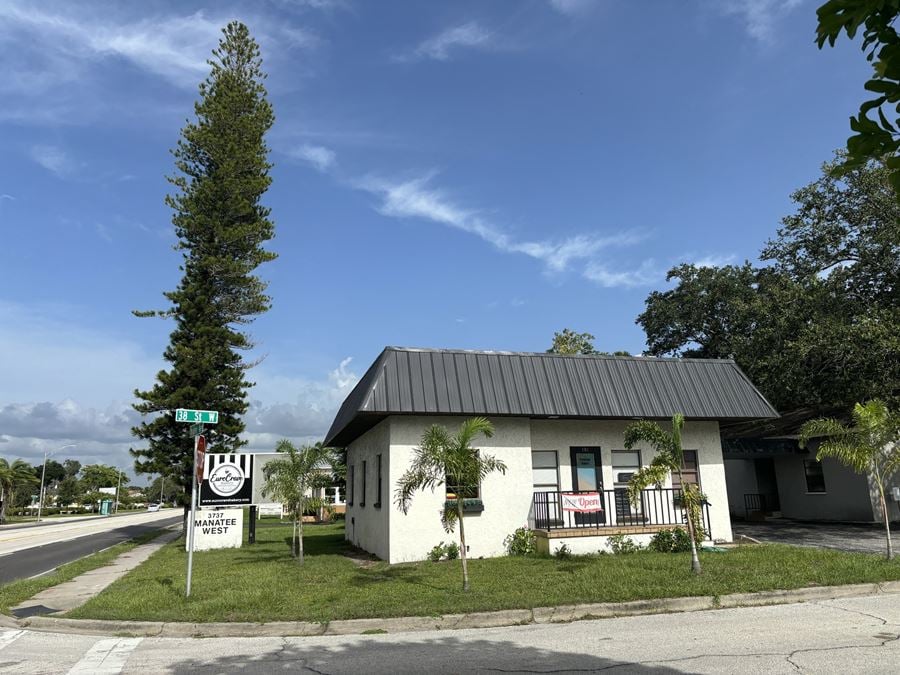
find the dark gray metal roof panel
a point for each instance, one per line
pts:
(448, 382)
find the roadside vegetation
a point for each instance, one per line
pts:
(263, 583)
(13, 593)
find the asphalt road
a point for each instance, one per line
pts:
(38, 560)
(850, 635)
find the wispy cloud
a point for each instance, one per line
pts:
(58, 49)
(53, 159)
(646, 274)
(439, 47)
(760, 16)
(416, 198)
(321, 158)
(6, 196)
(572, 7)
(714, 260)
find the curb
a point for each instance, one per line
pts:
(507, 617)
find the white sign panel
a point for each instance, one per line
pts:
(582, 502)
(218, 529)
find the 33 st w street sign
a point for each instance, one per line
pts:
(200, 416)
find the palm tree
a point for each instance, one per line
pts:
(440, 456)
(870, 446)
(669, 460)
(13, 477)
(294, 481)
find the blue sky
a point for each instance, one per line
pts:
(467, 175)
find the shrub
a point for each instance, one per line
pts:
(622, 544)
(676, 540)
(451, 550)
(563, 552)
(437, 552)
(521, 542)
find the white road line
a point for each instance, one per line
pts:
(106, 657)
(7, 637)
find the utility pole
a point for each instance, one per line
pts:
(162, 489)
(118, 485)
(44, 475)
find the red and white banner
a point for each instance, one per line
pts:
(582, 502)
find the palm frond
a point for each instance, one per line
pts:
(644, 431)
(645, 477)
(822, 427)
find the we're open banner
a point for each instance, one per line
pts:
(583, 502)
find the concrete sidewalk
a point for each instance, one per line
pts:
(75, 592)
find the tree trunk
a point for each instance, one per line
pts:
(695, 558)
(887, 523)
(294, 535)
(300, 539)
(462, 543)
(2, 506)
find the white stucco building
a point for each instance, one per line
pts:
(559, 423)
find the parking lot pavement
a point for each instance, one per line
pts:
(862, 538)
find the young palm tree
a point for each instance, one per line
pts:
(870, 446)
(13, 477)
(295, 481)
(441, 455)
(668, 461)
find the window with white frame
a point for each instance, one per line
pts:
(545, 470)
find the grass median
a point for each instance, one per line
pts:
(16, 592)
(263, 583)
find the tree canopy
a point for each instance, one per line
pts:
(817, 326)
(874, 134)
(569, 342)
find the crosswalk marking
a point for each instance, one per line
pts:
(106, 657)
(7, 637)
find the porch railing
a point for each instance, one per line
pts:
(610, 509)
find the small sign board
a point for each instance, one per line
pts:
(581, 502)
(228, 480)
(218, 529)
(200, 460)
(201, 416)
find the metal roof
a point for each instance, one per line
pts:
(454, 382)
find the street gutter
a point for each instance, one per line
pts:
(508, 617)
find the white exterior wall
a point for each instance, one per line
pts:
(846, 495)
(367, 526)
(561, 435)
(507, 498)
(588, 545)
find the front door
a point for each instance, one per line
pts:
(587, 477)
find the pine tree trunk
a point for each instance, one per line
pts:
(462, 543)
(887, 523)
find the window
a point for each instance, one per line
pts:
(624, 465)
(378, 473)
(350, 473)
(454, 489)
(690, 470)
(815, 479)
(362, 497)
(545, 470)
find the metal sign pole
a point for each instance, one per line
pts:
(194, 498)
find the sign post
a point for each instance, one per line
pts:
(197, 418)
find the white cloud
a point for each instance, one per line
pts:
(759, 16)
(321, 158)
(52, 158)
(6, 196)
(439, 47)
(646, 274)
(64, 383)
(572, 7)
(417, 199)
(714, 260)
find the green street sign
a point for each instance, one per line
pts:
(194, 416)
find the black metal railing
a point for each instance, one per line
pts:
(611, 508)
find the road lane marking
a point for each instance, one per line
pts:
(7, 637)
(106, 657)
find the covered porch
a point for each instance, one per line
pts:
(584, 520)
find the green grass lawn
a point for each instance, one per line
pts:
(15, 592)
(263, 583)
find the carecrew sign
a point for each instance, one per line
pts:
(582, 502)
(228, 480)
(218, 529)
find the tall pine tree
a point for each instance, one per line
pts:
(222, 173)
